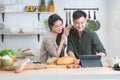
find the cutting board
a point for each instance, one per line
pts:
(34, 66)
(56, 66)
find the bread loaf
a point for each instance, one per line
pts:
(65, 60)
(52, 60)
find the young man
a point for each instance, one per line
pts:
(81, 40)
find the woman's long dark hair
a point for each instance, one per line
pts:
(53, 18)
(58, 42)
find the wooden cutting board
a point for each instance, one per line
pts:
(56, 66)
(34, 66)
(45, 66)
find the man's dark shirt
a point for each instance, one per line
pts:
(87, 44)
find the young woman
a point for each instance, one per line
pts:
(53, 42)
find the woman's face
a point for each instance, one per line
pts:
(57, 26)
(80, 23)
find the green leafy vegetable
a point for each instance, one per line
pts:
(9, 52)
(46, 23)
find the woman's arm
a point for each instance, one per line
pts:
(62, 41)
(50, 46)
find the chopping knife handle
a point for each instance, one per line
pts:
(66, 19)
(94, 15)
(3, 15)
(89, 15)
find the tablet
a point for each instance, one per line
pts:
(90, 61)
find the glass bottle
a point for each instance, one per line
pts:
(42, 6)
(51, 7)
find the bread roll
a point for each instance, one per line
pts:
(65, 60)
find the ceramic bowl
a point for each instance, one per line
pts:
(113, 61)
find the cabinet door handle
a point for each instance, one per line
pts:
(38, 16)
(3, 17)
(2, 37)
(38, 36)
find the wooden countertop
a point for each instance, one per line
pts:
(70, 74)
(62, 71)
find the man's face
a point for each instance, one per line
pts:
(79, 23)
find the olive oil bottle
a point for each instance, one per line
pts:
(51, 7)
(42, 6)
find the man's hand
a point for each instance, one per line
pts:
(102, 54)
(77, 61)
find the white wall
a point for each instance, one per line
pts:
(113, 10)
(30, 21)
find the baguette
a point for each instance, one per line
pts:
(65, 60)
(20, 68)
(52, 60)
(28, 53)
(26, 50)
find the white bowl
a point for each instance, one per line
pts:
(112, 61)
(28, 29)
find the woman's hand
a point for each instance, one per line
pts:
(66, 32)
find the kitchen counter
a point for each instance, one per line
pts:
(99, 73)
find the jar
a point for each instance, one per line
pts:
(1, 7)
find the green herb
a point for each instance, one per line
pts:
(9, 52)
(46, 23)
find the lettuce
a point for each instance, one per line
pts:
(10, 52)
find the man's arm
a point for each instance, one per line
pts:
(99, 46)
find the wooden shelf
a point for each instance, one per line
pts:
(21, 34)
(20, 12)
(24, 33)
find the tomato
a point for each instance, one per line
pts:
(74, 66)
(69, 66)
(14, 59)
(78, 66)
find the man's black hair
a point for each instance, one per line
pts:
(77, 14)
